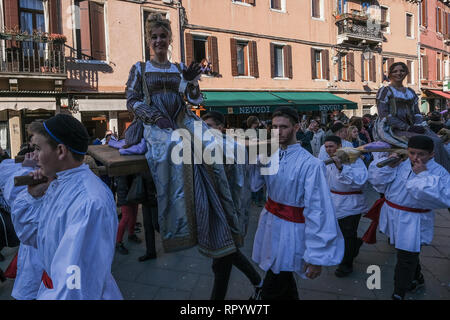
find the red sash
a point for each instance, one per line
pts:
(11, 273)
(370, 236)
(396, 206)
(285, 212)
(346, 193)
(47, 280)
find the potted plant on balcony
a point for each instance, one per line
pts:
(39, 36)
(22, 36)
(57, 38)
(5, 36)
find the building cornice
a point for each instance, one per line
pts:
(422, 45)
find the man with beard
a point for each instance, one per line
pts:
(297, 229)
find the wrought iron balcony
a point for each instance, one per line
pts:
(28, 57)
(357, 28)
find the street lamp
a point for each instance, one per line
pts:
(368, 54)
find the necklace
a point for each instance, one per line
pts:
(165, 65)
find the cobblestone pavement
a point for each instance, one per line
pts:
(187, 275)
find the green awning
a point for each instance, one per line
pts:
(316, 101)
(255, 102)
(241, 98)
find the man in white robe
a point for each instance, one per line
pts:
(346, 183)
(340, 130)
(71, 219)
(297, 229)
(29, 269)
(412, 190)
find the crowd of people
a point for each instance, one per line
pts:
(67, 222)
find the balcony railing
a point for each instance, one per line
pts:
(32, 58)
(358, 27)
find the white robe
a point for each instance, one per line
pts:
(282, 245)
(323, 155)
(29, 266)
(428, 190)
(74, 228)
(353, 177)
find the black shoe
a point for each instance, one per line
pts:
(134, 238)
(343, 271)
(2, 258)
(396, 297)
(121, 248)
(147, 257)
(256, 295)
(417, 284)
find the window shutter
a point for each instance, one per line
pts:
(234, 67)
(437, 19)
(189, 48)
(373, 70)
(424, 13)
(351, 66)
(11, 10)
(97, 22)
(276, 4)
(253, 52)
(252, 2)
(272, 60)
(85, 29)
(408, 25)
(313, 64)
(54, 8)
(326, 64)
(362, 67)
(213, 53)
(438, 69)
(287, 52)
(409, 64)
(390, 61)
(425, 67)
(315, 8)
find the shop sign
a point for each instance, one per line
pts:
(331, 107)
(260, 109)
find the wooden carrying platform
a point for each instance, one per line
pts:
(117, 164)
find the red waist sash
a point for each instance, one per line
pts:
(11, 272)
(47, 280)
(285, 212)
(397, 206)
(346, 193)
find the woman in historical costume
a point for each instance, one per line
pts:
(195, 204)
(399, 115)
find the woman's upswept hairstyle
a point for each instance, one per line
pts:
(154, 21)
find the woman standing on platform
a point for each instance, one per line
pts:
(399, 115)
(194, 200)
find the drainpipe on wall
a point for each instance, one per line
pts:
(181, 16)
(419, 60)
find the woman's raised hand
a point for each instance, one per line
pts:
(192, 72)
